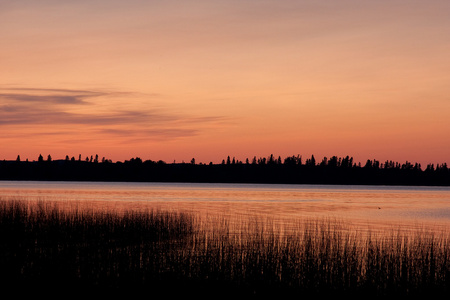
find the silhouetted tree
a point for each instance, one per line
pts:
(18, 158)
(293, 160)
(136, 160)
(311, 161)
(344, 171)
(347, 162)
(376, 164)
(333, 161)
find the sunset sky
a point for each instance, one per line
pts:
(173, 80)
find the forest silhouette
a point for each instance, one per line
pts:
(271, 169)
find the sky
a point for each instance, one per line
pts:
(172, 80)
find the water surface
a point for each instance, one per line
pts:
(410, 206)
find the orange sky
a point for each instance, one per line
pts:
(173, 80)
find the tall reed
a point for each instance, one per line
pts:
(42, 245)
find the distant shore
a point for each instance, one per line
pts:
(290, 171)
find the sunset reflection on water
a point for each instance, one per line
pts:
(361, 206)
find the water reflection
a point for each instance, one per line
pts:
(360, 205)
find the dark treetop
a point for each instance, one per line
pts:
(292, 170)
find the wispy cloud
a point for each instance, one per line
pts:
(80, 108)
(47, 96)
(75, 99)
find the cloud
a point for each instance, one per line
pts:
(48, 96)
(77, 99)
(47, 108)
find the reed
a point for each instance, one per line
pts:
(44, 246)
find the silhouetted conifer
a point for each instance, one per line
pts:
(311, 162)
(263, 170)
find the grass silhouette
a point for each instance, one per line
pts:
(45, 247)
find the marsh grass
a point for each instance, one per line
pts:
(43, 246)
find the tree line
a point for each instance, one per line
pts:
(271, 169)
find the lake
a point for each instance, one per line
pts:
(363, 206)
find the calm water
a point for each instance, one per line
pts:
(407, 206)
